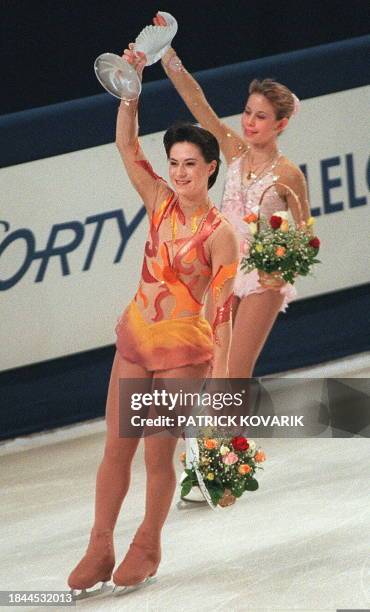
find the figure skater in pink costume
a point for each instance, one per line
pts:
(260, 180)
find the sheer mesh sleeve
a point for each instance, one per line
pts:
(225, 259)
(138, 168)
(231, 144)
(292, 184)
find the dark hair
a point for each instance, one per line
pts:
(277, 94)
(207, 143)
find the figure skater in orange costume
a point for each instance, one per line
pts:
(191, 251)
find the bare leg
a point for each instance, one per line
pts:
(113, 479)
(255, 316)
(144, 554)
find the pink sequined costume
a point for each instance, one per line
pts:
(262, 199)
(281, 183)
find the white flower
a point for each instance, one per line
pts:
(252, 448)
(281, 213)
(224, 450)
(252, 228)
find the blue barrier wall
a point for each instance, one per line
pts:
(73, 388)
(89, 122)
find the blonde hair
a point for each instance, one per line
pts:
(277, 94)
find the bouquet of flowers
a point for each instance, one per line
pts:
(280, 249)
(227, 467)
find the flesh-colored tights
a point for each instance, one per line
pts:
(253, 318)
(113, 477)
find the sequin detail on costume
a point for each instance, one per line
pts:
(261, 198)
(175, 64)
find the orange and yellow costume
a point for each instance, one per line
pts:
(163, 327)
(191, 253)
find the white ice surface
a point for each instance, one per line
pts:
(301, 542)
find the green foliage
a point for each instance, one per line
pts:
(298, 259)
(216, 491)
(238, 488)
(186, 487)
(251, 484)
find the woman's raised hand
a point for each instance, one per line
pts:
(158, 20)
(137, 59)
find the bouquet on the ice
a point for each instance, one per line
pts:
(224, 469)
(279, 248)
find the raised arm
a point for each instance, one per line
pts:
(138, 168)
(231, 144)
(225, 259)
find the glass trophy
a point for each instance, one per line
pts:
(118, 77)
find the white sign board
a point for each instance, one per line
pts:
(65, 220)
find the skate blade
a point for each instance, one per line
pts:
(124, 590)
(187, 504)
(78, 594)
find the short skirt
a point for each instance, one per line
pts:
(246, 284)
(166, 344)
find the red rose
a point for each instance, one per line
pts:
(314, 242)
(239, 443)
(275, 222)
